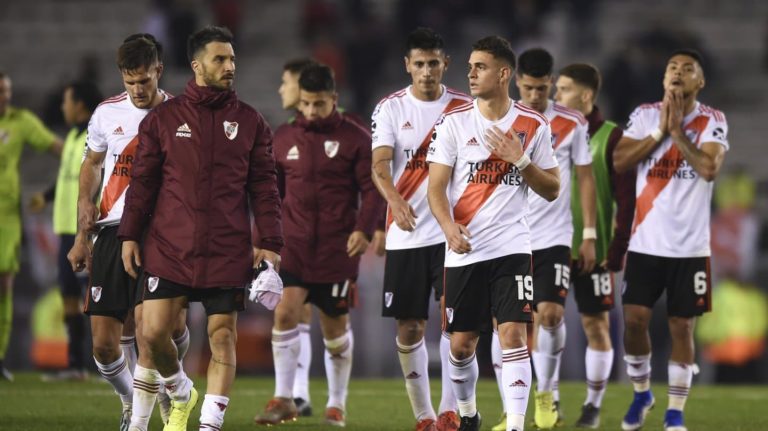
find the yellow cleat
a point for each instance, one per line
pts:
(180, 412)
(545, 415)
(502, 425)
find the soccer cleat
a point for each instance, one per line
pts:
(545, 414)
(590, 417)
(471, 423)
(448, 421)
(5, 374)
(560, 416)
(641, 405)
(180, 412)
(125, 418)
(673, 421)
(502, 425)
(277, 411)
(303, 406)
(164, 402)
(426, 425)
(335, 416)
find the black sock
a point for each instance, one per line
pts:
(76, 330)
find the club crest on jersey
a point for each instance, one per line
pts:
(523, 135)
(293, 154)
(719, 134)
(152, 283)
(331, 148)
(230, 130)
(96, 293)
(449, 314)
(388, 298)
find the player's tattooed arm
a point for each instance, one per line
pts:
(90, 180)
(401, 211)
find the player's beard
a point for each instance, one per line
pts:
(217, 83)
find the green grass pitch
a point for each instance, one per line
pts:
(31, 405)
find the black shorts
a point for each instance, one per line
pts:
(686, 280)
(500, 288)
(333, 299)
(215, 300)
(594, 291)
(551, 274)
(70, 282)
(410, 277)
(111, 291)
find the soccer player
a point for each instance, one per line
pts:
(678, 146)
(17, 128)
(577, 88)
(79, 101)
(330, 208)
(487, 154)
(111, 298)
(552, 228)
(201, 159)
(402, 125)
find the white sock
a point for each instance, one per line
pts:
(182, 344)
(497, 365)
(598, 366)
(680, 377)
(414, 361)
(212, 412)
(447, 398)
(285, 351)
(556, 380)
(119, 376)
(146, 384)
(128, 346)
(338, 367)
(301, 382)
(178, 386)
(464, 375)
(639, 371)
(516, 376)
(549, 346)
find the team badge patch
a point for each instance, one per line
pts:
(449, 314)
(152, 283)
(96, 293)
(388, 298)
(230, 130)
(331, 148)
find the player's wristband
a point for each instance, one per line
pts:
(589, 233)
(522, 162)
(657, 135)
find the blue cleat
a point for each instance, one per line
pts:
(673, 421)
(639, 408)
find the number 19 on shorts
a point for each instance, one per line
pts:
(524, 287)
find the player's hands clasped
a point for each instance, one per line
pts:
(504, 146)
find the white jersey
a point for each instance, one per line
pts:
(405, 123)
(487, 194)
(114, 129)
(551, 223)
(672, 201)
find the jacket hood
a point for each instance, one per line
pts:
(326, 124)
(208, 96)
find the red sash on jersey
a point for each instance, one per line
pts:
(476, 194)
(667, 165)
(410, 180)
(561, 127)
(118, 181)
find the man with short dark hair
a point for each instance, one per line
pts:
(18, 127)
(202, 158)
(577, 88)
(330, 208)
(484, 158)
(678, 146)
(402, 125)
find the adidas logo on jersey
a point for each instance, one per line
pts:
(473, 142)
(118, 131)
(413, 375)
(184, 131)
(518, 383)
(293, 154)
(407, 126)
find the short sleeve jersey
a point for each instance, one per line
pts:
(114, 129)
(551, 222)
(487, 194)
(17, 128)
(672, 202)
(405, 123)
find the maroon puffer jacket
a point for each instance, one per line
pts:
(324, 172)
(201, 157)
